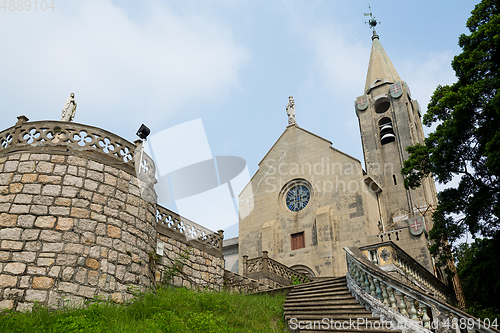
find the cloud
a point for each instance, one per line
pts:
(337, 60)
(424, 74)
(117, 63)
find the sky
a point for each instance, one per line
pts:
(230, 63)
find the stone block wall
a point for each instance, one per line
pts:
(71, 227)
(204, 267)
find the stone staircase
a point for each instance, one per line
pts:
(328, 306)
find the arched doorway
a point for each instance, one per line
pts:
(303, 270)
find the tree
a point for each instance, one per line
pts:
(466, 142)
(481, 291)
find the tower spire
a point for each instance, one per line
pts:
(380, 66)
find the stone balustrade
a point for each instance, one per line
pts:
(242, 284)
(267, 268)
(392, 259)
(60, 136)
(189, 229)
(408, 308)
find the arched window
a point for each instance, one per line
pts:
(386, 130)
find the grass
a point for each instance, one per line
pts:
(168, 310)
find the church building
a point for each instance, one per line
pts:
(308, 200)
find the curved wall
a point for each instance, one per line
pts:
(73, 223)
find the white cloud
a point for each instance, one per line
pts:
(337, 60)
(424, 75)
(152, 66)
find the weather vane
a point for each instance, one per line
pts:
(372, 22)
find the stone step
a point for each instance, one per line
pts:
(361, 318)
(321, 282)
(337, 316)
(329, 300)
(322, 302)
(328, 282)
(334, 288)
(318, 289)
(327, 314)
(324, 309)
(330, 295)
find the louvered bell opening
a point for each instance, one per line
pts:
(387, 138)
(387, 128)
(386, 131)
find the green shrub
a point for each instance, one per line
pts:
(168, 310)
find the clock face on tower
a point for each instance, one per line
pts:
(297, 197)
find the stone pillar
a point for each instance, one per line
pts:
(265, 260)
(245, 258)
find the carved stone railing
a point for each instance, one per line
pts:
(391, 258)
(265, 267)
(242, 284)
(63, 136)
(189, 229)
(405, 307)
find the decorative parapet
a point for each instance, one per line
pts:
(188, 229)
(391, 258)
(243, 284)
(405, 307)
(265, 267)
(61, 136)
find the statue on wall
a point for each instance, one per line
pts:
(290, 110)
(69, 108)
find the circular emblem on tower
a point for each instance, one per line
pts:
(416, 225)
(396, 89)
(362, 102)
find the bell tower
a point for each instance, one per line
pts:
(390, 121)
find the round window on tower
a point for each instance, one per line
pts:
(382, 104)
(295, 195)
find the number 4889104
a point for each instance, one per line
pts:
(27, 5)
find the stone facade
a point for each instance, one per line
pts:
(342, 203)
(342, 210)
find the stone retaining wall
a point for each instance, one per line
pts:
(204, 266)
(71, 228)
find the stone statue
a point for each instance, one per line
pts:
(290, 111)
(69, 109)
